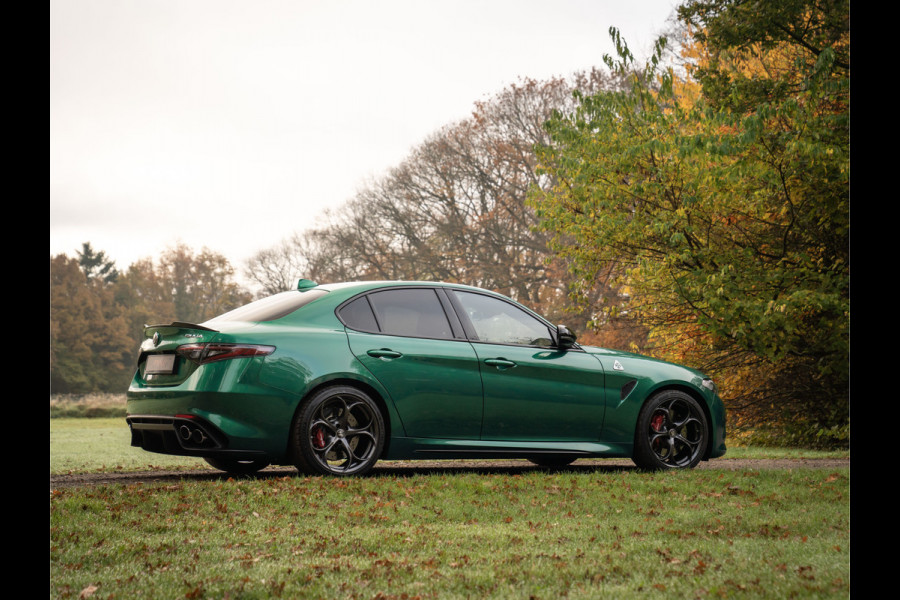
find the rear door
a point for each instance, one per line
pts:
(404, 337)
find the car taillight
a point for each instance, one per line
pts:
(206, 353)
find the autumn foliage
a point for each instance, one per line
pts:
(455, 210)
(725, 214)
(97, 315)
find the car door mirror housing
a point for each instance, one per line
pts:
(564, 337)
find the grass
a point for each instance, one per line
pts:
(757, 452)
(603, 533)
(103, 445)
(96, 405)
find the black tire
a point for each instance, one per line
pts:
(553, 460)
(237, 467)
(339, 431)
(672, 432)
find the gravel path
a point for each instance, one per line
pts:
(410, 468)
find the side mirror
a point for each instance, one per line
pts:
(564, 337)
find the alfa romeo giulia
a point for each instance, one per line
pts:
(332, 378)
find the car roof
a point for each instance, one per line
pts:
(389, 283)
(354, 287)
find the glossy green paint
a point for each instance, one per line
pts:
(434, 384)
(451, 397)
(651, 376)
(544, 395)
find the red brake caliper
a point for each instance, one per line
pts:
(319, 437)
(656, 423)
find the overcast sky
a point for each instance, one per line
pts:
(233, 124)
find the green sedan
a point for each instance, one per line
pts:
(332, 378)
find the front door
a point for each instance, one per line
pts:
(532, 390)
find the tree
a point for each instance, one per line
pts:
(148, 298)
(96, 326)
(727, 218)
(767, 50)
(96, 265)
(455, 210)
(90, 349)
(277, 269)
(183, 285)
(201, 284)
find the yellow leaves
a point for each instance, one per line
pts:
(686, 92)
(692, 50)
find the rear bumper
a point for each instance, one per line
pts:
(227, 419)
(184, 435)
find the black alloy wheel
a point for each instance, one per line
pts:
(340, 431)
(671, 432)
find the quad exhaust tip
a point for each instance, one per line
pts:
(194, 435)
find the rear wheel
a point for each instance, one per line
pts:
(671, 432)
(340, 431)
(237, 467)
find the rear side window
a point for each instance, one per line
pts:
(358, 315)
(271, 308)
(410, 312)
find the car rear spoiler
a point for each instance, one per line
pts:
(174, 327)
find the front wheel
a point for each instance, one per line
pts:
(340, 431)
(237, 467)
(671, 432)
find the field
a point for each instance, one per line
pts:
(594, 531)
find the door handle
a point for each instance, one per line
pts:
(385, 353)
(500, 363)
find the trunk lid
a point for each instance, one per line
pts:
(159, 363)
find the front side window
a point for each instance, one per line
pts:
(499, 322)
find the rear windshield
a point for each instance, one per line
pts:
(271, 308)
